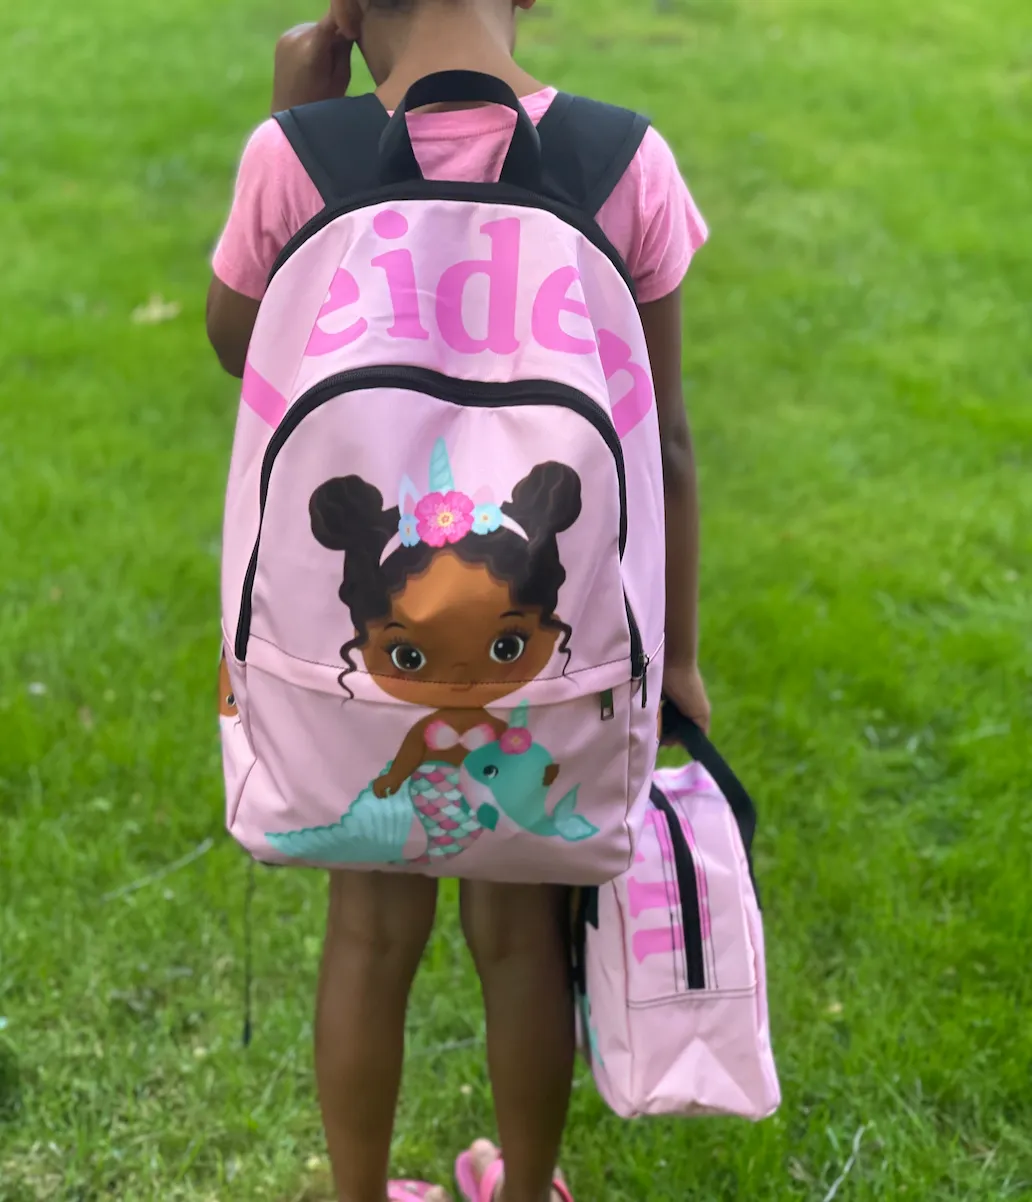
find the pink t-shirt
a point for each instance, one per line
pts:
(650, 218)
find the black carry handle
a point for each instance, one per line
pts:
(398, 162)
(678, 728)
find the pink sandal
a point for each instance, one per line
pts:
(466, 1180)
(407, 1191)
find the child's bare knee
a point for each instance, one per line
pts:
(501, 922)
(390, 916)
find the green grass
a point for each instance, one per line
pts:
(859, 351)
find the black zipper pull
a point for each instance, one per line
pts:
(607, 706)
(645, 661)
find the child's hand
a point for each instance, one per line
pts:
(683, 685)
(387, 786)
(313, 62)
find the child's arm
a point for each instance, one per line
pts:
(410, 756)
(682, 682)
(230, 322)
(313, 62)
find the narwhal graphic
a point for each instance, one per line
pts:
(510, 776)
(513, 775)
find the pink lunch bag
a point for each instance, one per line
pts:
(670, 957)
(444, 531)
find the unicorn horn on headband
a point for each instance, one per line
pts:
(441, 479)
(444, 515)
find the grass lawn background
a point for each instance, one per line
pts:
(859, 356)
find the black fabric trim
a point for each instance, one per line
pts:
(586, 148)
(397, 159)
(682, 730)
(338, 143)
(311, 162)
(618, 165)
(688, 893)
(568, 164)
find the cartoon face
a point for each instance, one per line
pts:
(452, 596)
(455, 638)
(514, 775)
(492, 774)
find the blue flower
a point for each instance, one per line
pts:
(486, 519)
(408, 529)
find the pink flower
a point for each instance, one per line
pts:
(517, 740)
(444, 518)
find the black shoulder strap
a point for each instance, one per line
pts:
(586, 146)
(338, 143)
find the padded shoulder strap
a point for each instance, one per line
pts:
(586, 146)
(338, 143)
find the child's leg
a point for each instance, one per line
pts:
(519, 937)
(377, 928)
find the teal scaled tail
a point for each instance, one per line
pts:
(373, 831)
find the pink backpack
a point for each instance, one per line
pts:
(670, 958)
(444, 532)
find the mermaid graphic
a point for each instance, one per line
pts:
(453, 600)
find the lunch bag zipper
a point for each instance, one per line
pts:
(688, 889)
(461, 392)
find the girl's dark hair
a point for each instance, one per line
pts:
(348, 515)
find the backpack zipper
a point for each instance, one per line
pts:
(460, 392)
(639, 660)
(688, 888)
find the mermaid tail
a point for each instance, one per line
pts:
(450, 824)
(374, 831)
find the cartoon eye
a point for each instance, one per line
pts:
(230, 700)
(407, 658)
(490, 772)
(508, 649)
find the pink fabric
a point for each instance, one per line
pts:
(439, 736)
(405, 1191)
(657, 1044)
(260, 396)
(487, 1188)
(486, 293)
(651, 218)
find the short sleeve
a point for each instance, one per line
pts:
(653, 221)
(272, 200)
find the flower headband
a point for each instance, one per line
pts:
(442, 515)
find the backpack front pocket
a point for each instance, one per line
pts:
(395, 467)
(531, 793)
